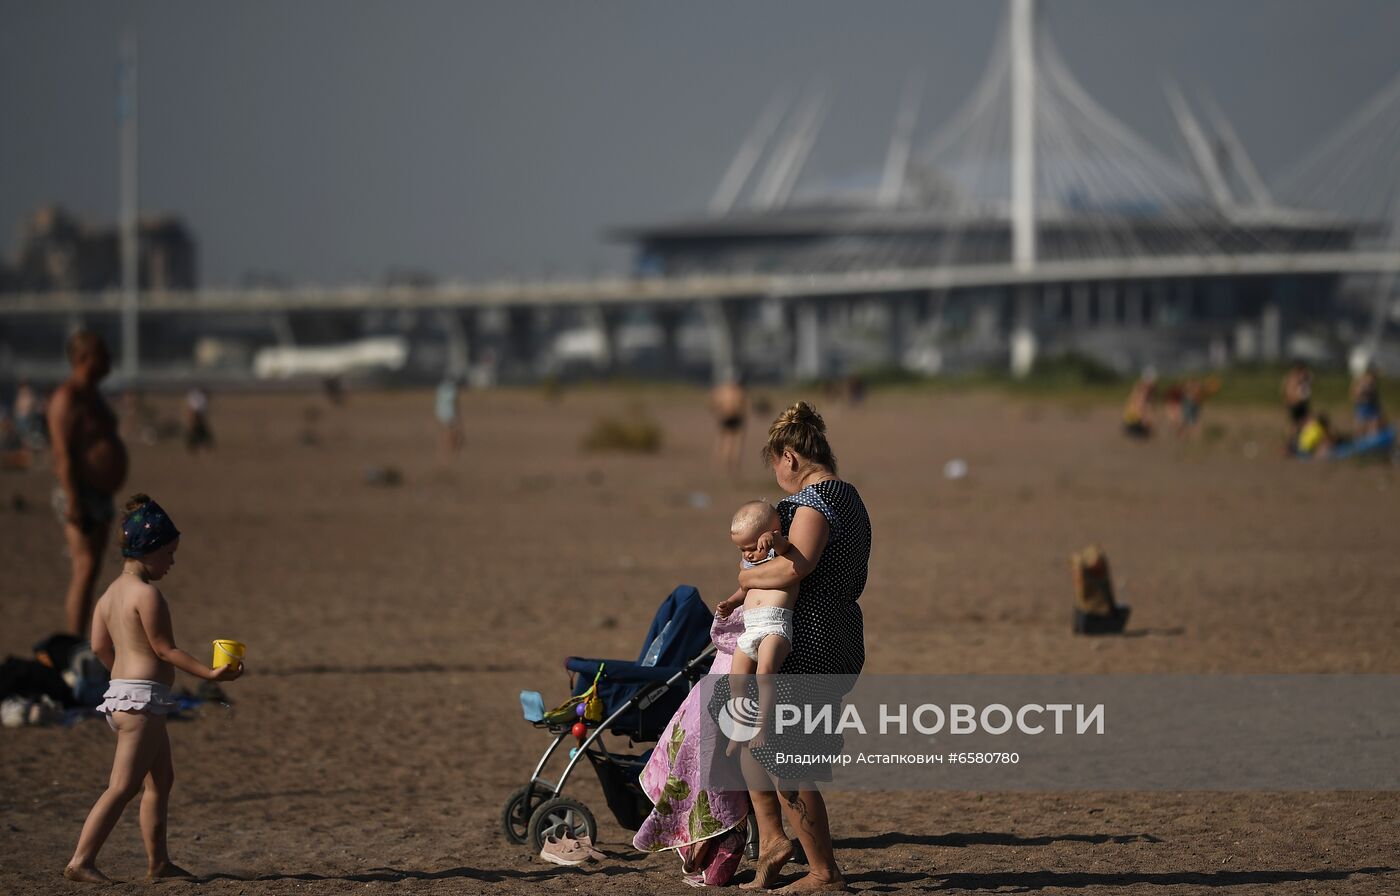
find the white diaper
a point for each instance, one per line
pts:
(759, 623)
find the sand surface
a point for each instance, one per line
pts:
(391, 627)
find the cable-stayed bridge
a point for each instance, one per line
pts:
(1031, 221)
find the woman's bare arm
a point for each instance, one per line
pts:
(807, 539)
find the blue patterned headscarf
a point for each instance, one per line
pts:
(146, 530)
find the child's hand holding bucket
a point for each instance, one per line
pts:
(228, 660)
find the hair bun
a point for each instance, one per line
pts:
(801, 430)
(802, 414)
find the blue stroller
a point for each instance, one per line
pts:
(632, 699)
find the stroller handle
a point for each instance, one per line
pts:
(632, 672)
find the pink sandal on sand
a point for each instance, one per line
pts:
(563, 849)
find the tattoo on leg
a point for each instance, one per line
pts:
(797, 805)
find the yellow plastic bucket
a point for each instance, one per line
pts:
(228, 653)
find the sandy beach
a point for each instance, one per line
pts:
(391, 627)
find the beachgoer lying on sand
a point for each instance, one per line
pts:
(1316, 437)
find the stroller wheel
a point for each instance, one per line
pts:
(520, 805)
(561, 810)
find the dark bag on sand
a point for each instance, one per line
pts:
(31, 679)
(80, 669)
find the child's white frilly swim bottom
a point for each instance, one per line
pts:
(136, 695)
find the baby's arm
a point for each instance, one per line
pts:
(775, 541)
(155, 619)
(726, 606)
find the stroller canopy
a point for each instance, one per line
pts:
(679, 632)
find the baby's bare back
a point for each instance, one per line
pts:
(134, 656)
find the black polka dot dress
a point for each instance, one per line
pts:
(828, 641)
(828, 628)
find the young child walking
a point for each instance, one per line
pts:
(132, 635)
(767, 639)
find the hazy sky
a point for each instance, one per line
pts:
(328, 141)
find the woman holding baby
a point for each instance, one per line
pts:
(827, 562)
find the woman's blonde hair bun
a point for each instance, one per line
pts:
(801, 430)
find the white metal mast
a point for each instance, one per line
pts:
(749, 153)
(126, 112)
(897, 159)
(1258, 190)
(802, 149)
(1206, 164)
(1023, 236)
(785, 163)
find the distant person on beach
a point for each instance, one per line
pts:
(334, 390)
(1297, 396)
(1137, 413)
(90, 462)
(1189, 401)
(855, 390)
(757, 532)
(138, 421)
(197, 432)
(1171, 404)
(445, 409)
(133, 637)
(1366, 402)
(730, 404)
(28, 414)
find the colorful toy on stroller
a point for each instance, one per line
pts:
(633, 699)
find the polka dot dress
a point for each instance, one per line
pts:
(828, 641)
(828, 628)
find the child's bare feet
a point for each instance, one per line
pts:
(86, 874)
(169, 869)
(771, 859)
(758, 741)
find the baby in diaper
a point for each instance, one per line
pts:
(767, 639)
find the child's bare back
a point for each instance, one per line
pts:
(119, 611)
(133, 637)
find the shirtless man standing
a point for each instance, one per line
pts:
(730, 405)
(90, 461)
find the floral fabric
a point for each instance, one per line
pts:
(683, 813)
